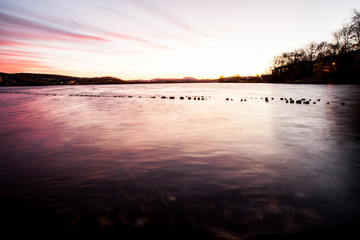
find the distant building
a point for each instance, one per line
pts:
(266, 77)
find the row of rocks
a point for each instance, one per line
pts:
(115, 96)
(187, 97)
(202, 98)
(287, 100)
(130, 96)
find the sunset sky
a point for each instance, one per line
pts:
(145, 39)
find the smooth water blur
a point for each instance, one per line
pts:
(120, 158)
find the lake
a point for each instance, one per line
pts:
(173, 161)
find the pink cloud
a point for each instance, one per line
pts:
(31, 30)
(9, 65)
(10, 53)
(176, 21)
(10, 43)
(137, 39)
(38, 29)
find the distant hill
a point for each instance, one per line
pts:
(35, 79)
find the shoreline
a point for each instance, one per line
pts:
(34, 79)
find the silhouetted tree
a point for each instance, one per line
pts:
(277, 62)
(311, 51)
(322, 50)
(335, 61)
(354, 26)
(344, 40)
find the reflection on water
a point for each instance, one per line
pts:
(92, 159)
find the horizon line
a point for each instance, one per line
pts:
(140, 79)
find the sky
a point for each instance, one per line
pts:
(146, 39)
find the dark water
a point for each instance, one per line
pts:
(93, 160)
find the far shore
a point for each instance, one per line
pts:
(34, 79)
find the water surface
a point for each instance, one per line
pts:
(120, 159)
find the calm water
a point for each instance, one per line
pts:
(92, 159)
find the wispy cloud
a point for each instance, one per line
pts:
(11, 65)
(38, 27)
(137, 39)
(12, 53)
(9, 43)
(140, 23)
(169, 17)
(54, 29)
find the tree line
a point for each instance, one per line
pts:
(345, 40)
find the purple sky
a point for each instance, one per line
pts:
(144, 39)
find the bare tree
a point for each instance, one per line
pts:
(343, 40)
(335, 47)
(300, 55)
(346, 38)
(322, 50)
(311, 51)
(319, 60)
(277, 62)
(355, 27)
